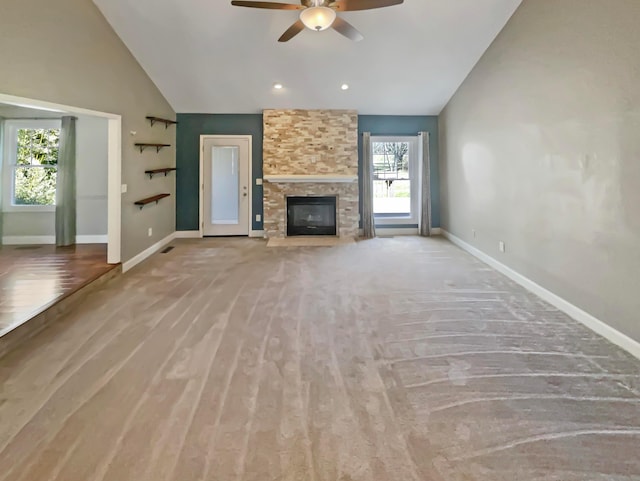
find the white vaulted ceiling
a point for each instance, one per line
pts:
(209, 57)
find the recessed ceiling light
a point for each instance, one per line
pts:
(278, 86)
(345, 87)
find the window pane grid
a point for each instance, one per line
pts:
(37, 147)
(35, 170)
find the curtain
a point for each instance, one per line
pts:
(425, 211)
(66, 184)
(368, 221)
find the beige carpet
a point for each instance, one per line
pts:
(398, 359)
(311, 241)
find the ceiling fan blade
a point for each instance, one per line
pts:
(269, 5)
(354, 5)
(292, 31)
(346, 29)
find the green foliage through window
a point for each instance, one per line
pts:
(36, 167)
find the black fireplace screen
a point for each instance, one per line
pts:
(311, 216)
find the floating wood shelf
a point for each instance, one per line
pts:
(164, 171)
(149, 200)
(166, 122)
(158, 147)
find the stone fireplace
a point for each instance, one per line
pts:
(310, 154)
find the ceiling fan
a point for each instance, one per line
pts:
(320, 15)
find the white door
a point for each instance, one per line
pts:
(226, 186)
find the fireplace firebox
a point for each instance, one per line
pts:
(311, 216)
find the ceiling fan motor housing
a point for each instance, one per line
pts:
(318, 18)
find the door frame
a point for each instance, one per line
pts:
(201, 178)
(114, 163)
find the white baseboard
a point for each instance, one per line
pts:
(188, 234)
(596, 325)
(17, 240)
(92, 239)
(195, 234)
(134, 261)
(434, 231)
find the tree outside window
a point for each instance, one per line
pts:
(35, 170)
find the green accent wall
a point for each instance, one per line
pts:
(192, 126)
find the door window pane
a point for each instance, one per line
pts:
(225, 185)
(391, 178)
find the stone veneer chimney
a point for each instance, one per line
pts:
(310, 142)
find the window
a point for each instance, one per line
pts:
(395, 180)
(31, 164)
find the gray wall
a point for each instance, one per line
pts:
(91, 192)
(66, 52)
(539, 148)
(92, 171)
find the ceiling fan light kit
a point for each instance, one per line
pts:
(319, 15)
(318, 18)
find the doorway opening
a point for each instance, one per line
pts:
(37, 274)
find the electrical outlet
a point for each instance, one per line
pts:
(150, 231)
(501, 246)
(258, 181)
(258, 217)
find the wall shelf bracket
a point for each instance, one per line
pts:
(149, 200)
(166, 122)
(164, 171)
(158, 147)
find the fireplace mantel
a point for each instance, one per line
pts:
(323, 178)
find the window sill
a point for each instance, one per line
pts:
(14, 209)
(400, 220)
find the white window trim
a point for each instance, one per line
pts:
(11, 128)
(414, 175)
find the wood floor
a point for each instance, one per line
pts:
(33, 278)
(395, 359)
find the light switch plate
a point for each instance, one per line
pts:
(124, 188)
(258, 181)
